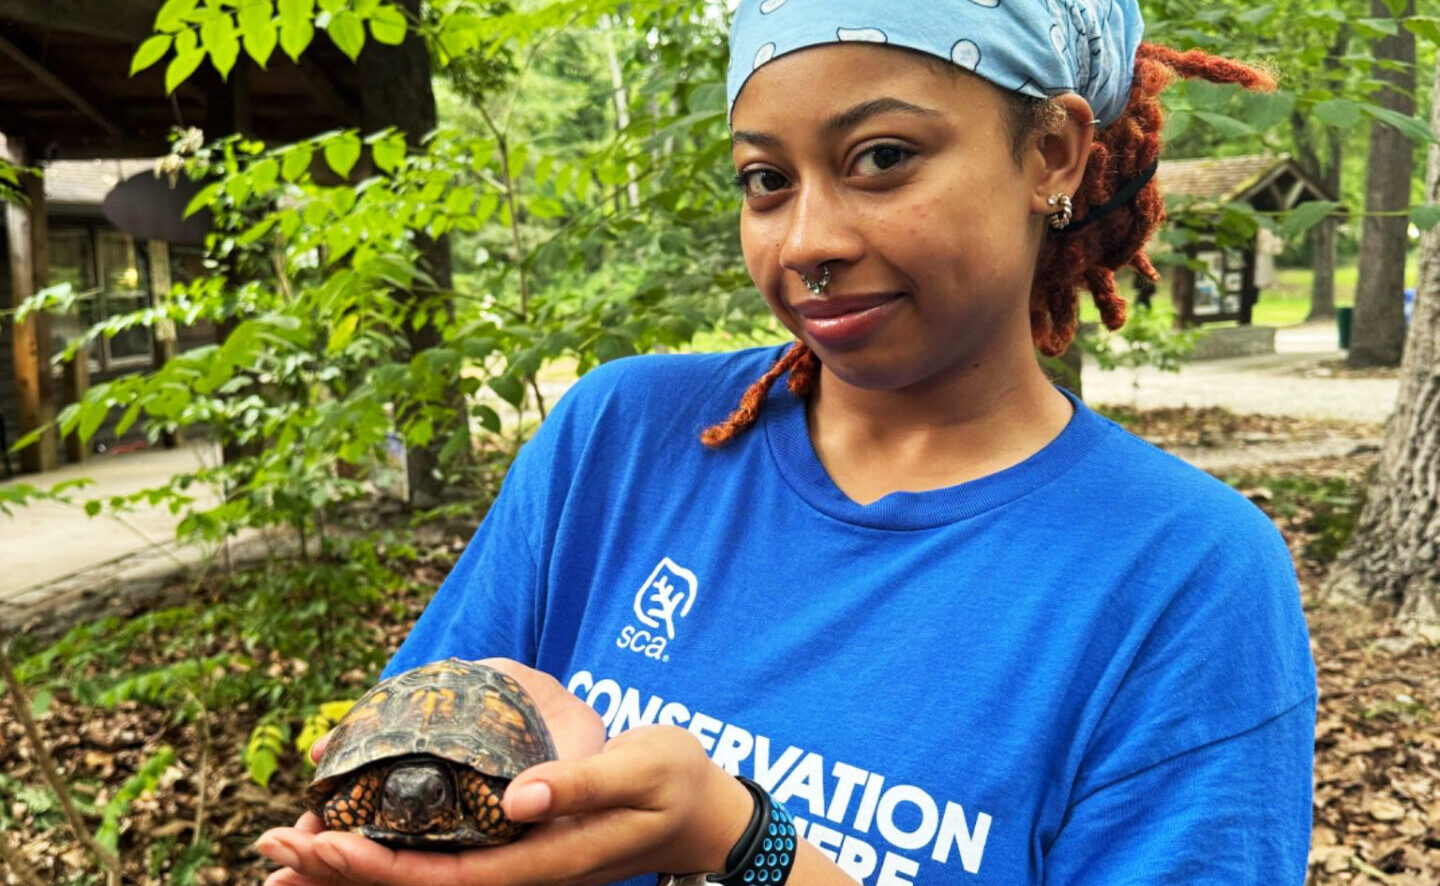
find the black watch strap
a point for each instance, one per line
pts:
(764, 854)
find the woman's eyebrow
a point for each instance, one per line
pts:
(843, 120)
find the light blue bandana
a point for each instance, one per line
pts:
(1036, 47)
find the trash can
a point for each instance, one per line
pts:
(1343, 316)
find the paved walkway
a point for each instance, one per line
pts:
(1294, 381)
(50, 551)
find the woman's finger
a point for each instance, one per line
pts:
(317, 750)
(295, 849)
(366, 861)
(627, 774)
(577, 730)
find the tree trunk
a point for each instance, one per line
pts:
(1322, 287)
(1326, 171)
(396, 91)
(1390, 562)
(1378, 334)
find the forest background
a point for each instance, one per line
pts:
(433, 289)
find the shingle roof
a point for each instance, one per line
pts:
(1217, 178)
(86, 182)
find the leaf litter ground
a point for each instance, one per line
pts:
(1377, 746)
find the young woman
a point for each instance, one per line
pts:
(952, 625)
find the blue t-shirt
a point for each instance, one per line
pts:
(1089, 668)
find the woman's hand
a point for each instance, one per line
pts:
(648, 800)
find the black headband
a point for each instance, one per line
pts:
(1122, 197)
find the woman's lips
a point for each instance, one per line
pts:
(845, 320)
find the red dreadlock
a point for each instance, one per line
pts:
(1088, 257)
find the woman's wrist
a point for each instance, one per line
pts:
(726, 814)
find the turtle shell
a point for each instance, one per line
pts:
(460, 711)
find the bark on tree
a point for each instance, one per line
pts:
(396, 91)
(1378, 334)
(1390, 563)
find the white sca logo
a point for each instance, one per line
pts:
(666, 595)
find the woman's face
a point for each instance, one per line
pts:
(901, 180)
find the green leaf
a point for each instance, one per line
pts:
(1305, 216)
(219, 38)
(181, 67)
(342, 152)
(342, 333)
(509, 389)
(150, 52)
(296, 11)
(172, 15)
(40, 702)
(1264, 110)
(1341, 113)
(1375, 28)
(262, 752)
(264, 174)
(92, 417)
(297, 161)
(485, 207)
(460, 201)
(387, 25)
(1412, 127)
(1426, 217)
(389, 152)
(297, 27)
(1424, 27)
(1228, 127)
(258, 29)
(1256, 15)
(348, 32)
(205, 198)
(489, 419)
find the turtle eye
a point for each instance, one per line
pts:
(436, 790)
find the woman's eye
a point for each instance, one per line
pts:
(881, 158)
(760, 182)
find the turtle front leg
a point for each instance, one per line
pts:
(355, 803)
(481, 795)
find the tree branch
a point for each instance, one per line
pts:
(21, 702)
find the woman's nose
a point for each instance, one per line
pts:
(820, 232)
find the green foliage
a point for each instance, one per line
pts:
(1324, 508)
(145, 779)
(320, 722)
(1148, 338)
(219, 29)
(263, 750)
(10, 189)
(1324, 61)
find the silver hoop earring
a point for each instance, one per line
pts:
(817, 288)
(1060, 219)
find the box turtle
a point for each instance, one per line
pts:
(423, 758)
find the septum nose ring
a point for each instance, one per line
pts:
(817, 288)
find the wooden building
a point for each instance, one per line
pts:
(65, 94)
(111, 273)
(1269, 183)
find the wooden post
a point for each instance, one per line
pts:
(29, 269)
(77, 382)
(165, 335)
(1249, 292)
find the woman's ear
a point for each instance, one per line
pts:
(1062, 151)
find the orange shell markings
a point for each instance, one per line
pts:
(460, 711)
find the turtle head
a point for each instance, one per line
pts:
(418, 796)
